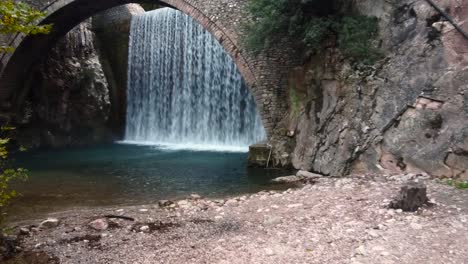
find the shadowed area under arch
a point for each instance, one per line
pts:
(66, 14)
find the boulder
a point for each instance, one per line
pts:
(412, 196)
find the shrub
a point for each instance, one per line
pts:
(355, 37)
(7, 173)
(307, 23)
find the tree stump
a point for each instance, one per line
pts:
(412, 196)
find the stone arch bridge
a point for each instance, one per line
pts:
(265, 75)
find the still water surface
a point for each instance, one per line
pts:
(125, 174)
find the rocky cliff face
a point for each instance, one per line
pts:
(69, 99)
(112, 29)
(407, 113)
(78, 92)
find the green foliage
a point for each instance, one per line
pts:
(355, 36)
(7, 174)
(458, 184)
(316, 31)
(18, 17)
(307, 24)
(272, 21)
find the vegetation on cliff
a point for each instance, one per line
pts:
(308, 24)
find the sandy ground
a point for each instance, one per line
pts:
(335, 220)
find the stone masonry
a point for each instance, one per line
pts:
(266, 75)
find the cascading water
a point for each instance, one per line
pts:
(183, 89)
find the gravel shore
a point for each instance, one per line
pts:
(334, 220)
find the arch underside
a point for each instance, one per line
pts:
(66, 14)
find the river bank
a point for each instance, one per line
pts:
(334, 220)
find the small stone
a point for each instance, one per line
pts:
(295, 205)
(231, 202)
(269, 252)
(183, 203)
(49, 223)
(360, 251)
(273, 220)
(100, 224)
(38, 245)
(416, 226)
(378, 248)
(144, 229)
(195, 196)
(165, 203)
(143, 210)
(373, 234)
(24, 231)
(203, 207)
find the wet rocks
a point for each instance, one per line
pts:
(100, 224)
(49, 223)
(412, 196)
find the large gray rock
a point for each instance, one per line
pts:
(406, 114)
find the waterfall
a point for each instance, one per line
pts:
(184, 89)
